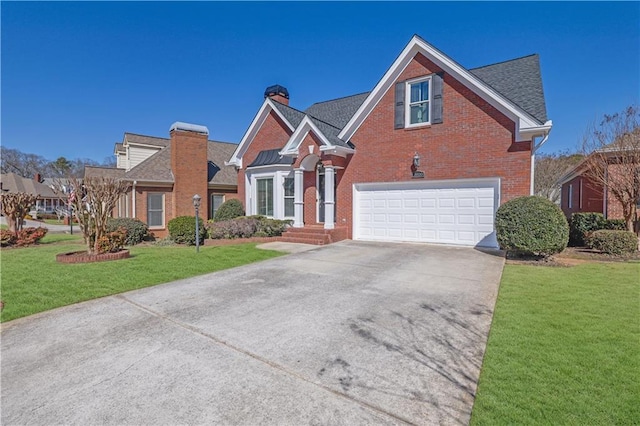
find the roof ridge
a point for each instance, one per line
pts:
(342, 97)
(290, 107)
(145, 136)
(98, 167)
(504, 62)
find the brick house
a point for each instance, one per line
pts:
(166, 173)
(581, 194)
(428, 155)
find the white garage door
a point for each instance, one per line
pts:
(447, 211)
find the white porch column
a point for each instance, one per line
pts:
(298, 194)
(329, 197)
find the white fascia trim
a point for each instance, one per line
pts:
(524, 121)
(305, 126)
(254, 127)
(340, 151)
(273, 167)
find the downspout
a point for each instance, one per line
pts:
(133, 199)
(534, 148)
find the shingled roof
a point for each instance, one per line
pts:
(145, 140)
(518, 80)
(108, 172)
(157, 168)
(12, 182)
(337, 112)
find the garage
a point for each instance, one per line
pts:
(459, 211)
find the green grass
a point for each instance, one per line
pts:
(32, 281)
(564, 347)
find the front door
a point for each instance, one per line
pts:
(320, 188)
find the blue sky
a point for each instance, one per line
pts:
(76, 76)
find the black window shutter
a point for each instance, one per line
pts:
(399, 107)
(436, 107)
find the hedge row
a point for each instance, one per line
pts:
(582, 224)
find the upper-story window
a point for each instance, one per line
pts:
(418, 102)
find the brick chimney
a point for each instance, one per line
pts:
(38, 178)
(277, 93)
(189, 166)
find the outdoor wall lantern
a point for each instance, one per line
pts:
(196, 204)
(415, 173)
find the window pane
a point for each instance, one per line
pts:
(155, 201)
(216, 202)
(420, 113)
(288, 187)
(420, 91)
(155, 218)
(265, 196)
(288, 207)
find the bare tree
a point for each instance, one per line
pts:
(549, 168)
(613, 161)
(93, 200)
(15, 206)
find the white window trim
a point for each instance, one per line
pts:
(224, 198)
(284, 197)
(163, 211)
(273, 195)
(407, 102)
(278, 175)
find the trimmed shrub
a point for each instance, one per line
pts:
(113, 241)
(136, 229)
(271, 227)
(182, 230)
(615, 224)
(531, 226)
(29, 236)
(230, 209)
(613, 241)
(241, 227)
(7, 238)
(582, 224)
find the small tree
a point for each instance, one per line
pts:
(613, 161)
(15, 205)
(549, 168)
(93, 199)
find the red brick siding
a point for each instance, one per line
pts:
(474, 140)
(189, 166)
(273, 134)
(585, 189)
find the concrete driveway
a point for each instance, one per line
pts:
(351, 333)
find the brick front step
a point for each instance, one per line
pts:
(314, 234)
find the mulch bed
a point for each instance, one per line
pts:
(572, 256)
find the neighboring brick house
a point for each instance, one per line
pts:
(428, 155)
(581, 194)
(166, 173)
(48, 200)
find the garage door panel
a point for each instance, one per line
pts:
(462, 213)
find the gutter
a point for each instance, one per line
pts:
(534, 148)
(133, 199)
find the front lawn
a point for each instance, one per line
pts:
(564, 347)
(32, 280)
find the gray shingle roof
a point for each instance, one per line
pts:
(146, 140)
(518, 80)
(157, 168)
(119, 147)
(12, 182)
(337, 112)
(269, 157)
(107, 172)
(292, 115)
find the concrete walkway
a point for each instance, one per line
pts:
(350, 333)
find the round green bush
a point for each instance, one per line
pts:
(531, 226)
(230, 209)
(182, 230)
(137, 230)
(613, 241)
